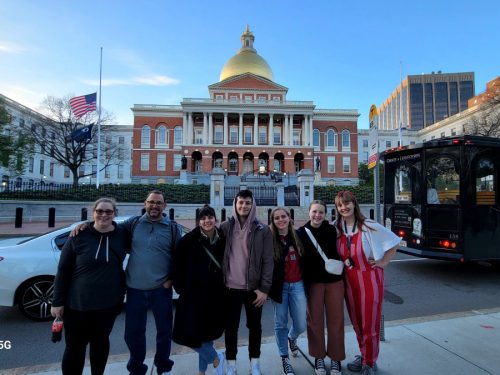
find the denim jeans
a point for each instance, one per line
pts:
(294, 300)
(206, 355)
(138, 302)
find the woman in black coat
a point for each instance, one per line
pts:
(197, 277)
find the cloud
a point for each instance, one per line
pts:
(7, 47)
(157, 80)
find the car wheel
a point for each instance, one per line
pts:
(35, 298)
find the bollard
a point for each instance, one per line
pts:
(19, 217)
(372, 213)
(333, 214)
(143, 211)
(223, 215)
(269, 216)
(83, 216)
(52, 217)
(292, 213)
(171, 214)
(382, 328)
(197, 215)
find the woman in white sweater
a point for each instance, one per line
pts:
(366, 247)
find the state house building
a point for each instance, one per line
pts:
(248, 128)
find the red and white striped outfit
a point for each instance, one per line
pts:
(364, 294)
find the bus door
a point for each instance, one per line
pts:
(403, 197)
(442, 222)
(482, 222)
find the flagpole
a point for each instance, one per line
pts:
(401, 104)
(99, 126)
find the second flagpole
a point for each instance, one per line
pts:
(98, 169)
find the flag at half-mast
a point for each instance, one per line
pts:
(81, 105)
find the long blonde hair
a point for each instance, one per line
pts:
(277, 243)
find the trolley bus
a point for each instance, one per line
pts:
(442, 198)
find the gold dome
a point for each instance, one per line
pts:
(247, 60)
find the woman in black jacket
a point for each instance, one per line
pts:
(89, 289)
(325, 291)
(197, 277)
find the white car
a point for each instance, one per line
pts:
(28, 268)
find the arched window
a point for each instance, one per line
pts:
(178, 135)
(346, 139)
(331, 138)
(146, 136)
(316, 138)
(161, 136)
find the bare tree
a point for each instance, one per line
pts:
(487, 121)
(53, 138)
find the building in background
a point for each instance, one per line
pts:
(422, 100)
(247, 127)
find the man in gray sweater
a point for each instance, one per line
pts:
(149, 285)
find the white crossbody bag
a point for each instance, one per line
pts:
(332, 266)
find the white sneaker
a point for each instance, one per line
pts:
(219, 370)
(166, 373)
(231, 367)
(255, 366)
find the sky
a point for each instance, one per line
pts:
(338, 54)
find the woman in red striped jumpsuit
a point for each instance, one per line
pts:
(366, 247)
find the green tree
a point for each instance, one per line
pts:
(15, 147)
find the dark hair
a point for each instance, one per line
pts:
(156, 191)
(206, 210)
(244, 194)
(111, 201)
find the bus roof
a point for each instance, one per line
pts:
(467, 140)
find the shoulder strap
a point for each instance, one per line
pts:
(135, 221)
(316, 244)
(173, 229)
(212, 257)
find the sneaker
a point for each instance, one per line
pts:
(367, 370)
(219, 370)
(357, 365)
(319, 366)
(293, 347)
(287, 366)
(255, 366)
(335, 367)
(231, 367)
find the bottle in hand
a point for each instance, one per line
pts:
(57, 328)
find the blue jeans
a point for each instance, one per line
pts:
(294, 300)
(206, 355)
(138, 302)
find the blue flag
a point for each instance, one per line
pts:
(82, 134)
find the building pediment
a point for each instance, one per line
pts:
(247, 81)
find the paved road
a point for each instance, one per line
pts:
(414, 288)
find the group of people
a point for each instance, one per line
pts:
(217, 270)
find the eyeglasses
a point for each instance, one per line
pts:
(104, 212)
(155, 203)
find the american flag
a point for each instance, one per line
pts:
(80, 105)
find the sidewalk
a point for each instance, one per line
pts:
(456, 344)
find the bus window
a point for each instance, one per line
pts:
(485, 182)
(443, 180)
(402, 185)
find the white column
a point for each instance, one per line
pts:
(290, 131)
(225, 128)
(311, 129)
(205, 126)
(270, 134)
(285, 132)
(185, 129)
(210, 129)
(240, 136)
(255, 129)
(304, 131)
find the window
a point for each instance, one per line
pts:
(296, 137)
(346, 164)
(146, 136)
(42, 166)
(51, 169)
(247, 134)
(485, 182)
(316, 138)
(233, 134)
(277, 135)
(233, 165)
(331, 139)
(443, 181)
(365, 156)
(67, 172)
(365, 143)
(31, 165)
(120, 172)
(178, 135)
(233, 98)
(94, 170)
(388, 144)
(198, 136)
(331, 164)
(144, 162)
(219, 97)
(218, 133)
(121, 153)
(261, 99)
(453, 131)
(121, 140)
(346, 139)
(177, 162)
(161, 136)
(161, 162)
(262, 135)
(248, 98)
(107, 172)
(442, 134)
(276, 99)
